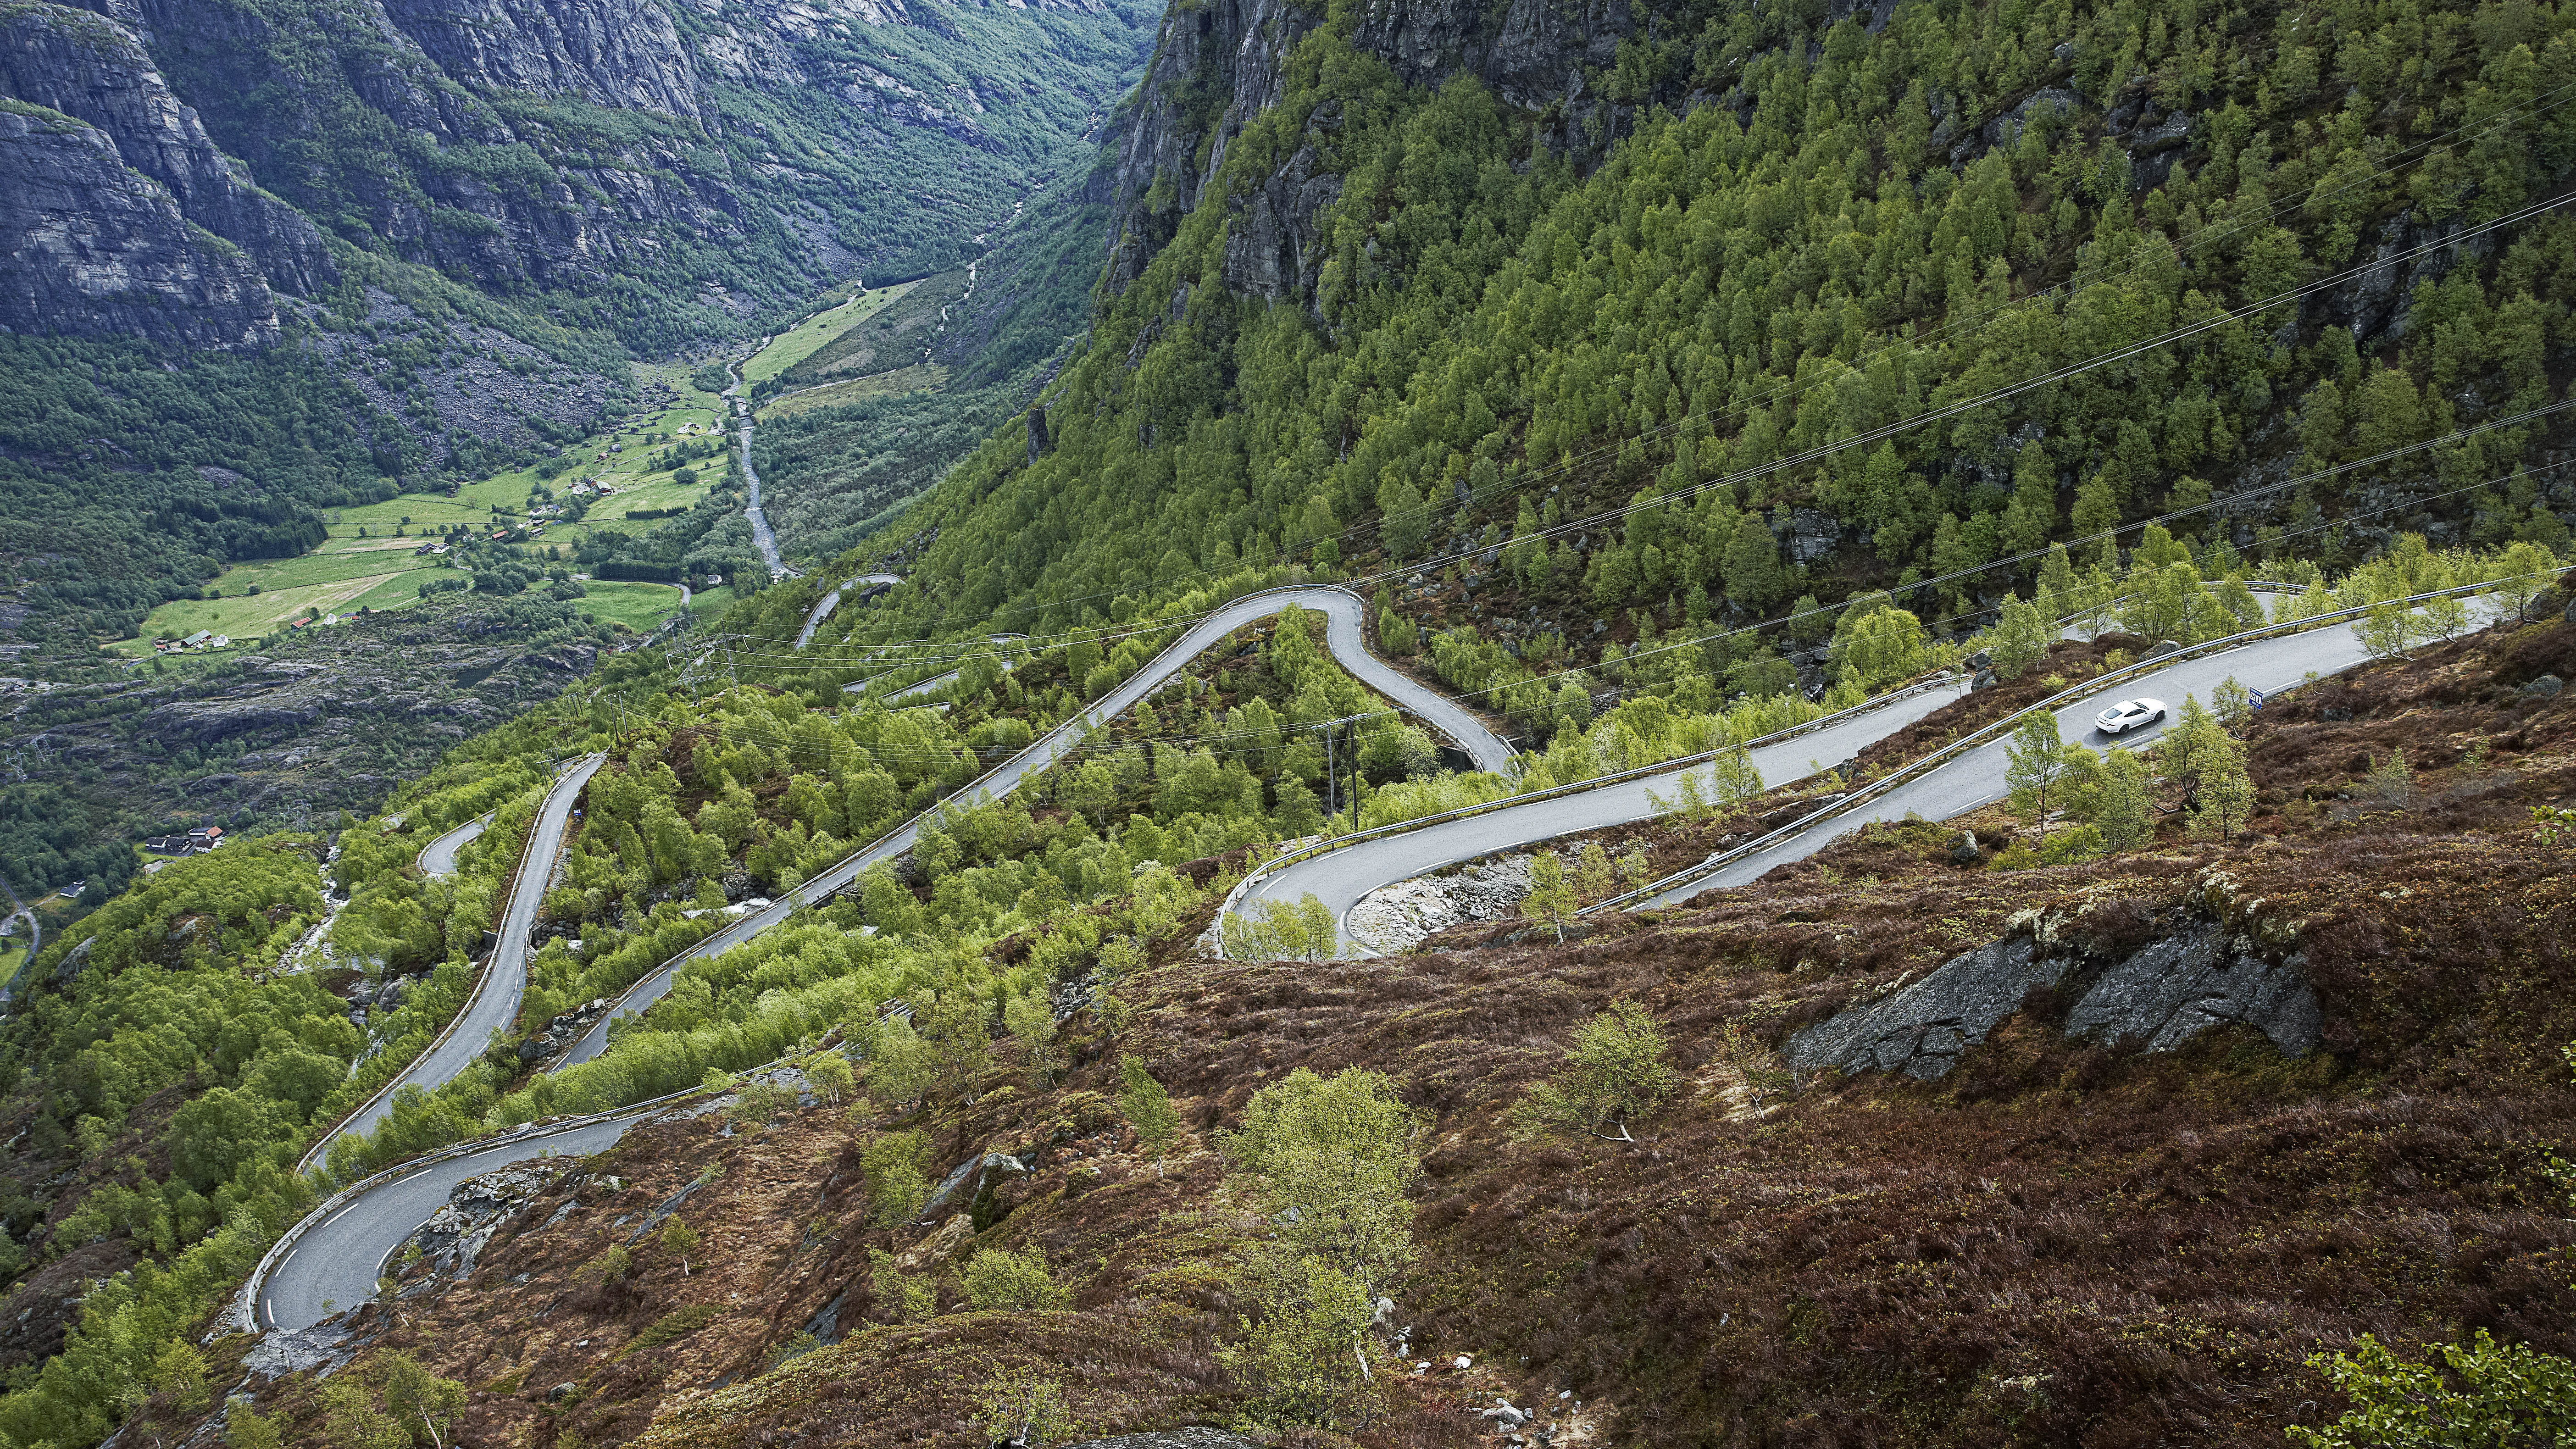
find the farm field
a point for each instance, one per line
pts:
(920, 377)
(367, 559)
(807, 337)
(328, 580)
(638, 606)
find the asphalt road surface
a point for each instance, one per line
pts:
(1339, 878)
(495, 1003)
(823, 609)
(334, 1266)
(1977, 778)
(1342, 614)
(439, 856)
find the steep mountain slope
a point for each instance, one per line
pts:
(990, 335)
(378, 246)
(2124, 1205)
(1387, 290)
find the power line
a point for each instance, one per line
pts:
(2546, 101)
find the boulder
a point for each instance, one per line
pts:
(2183, 985)
(2545, 687)
(1963, 849)
(947, 1244)
(2200, 974)
(1922, 1029)
(2162, 648)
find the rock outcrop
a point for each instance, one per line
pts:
(475, 1209)
(624, 54)
(97, 72)
(470, 135)
(2199, 974)
(1532, 52)
(90, 246)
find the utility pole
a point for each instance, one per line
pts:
(1333, 773)
(1332, 778)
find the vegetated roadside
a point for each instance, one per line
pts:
(2062, 1240)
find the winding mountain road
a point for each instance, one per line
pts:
(495, 1002)
(336, 1259)
(1341, 877)
(824, 607)
(1342, 611)
(439, 856)
(334, 1263)
(337, 1254)
(1977, 777)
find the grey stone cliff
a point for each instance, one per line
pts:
(2198, 975)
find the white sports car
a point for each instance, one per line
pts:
(2129, 714)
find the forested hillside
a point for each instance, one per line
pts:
(835, 471)
(1821, 306)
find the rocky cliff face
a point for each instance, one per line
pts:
(118, 188)
(89, 245)
(620, 53)
(1534, 53)
(555, 144)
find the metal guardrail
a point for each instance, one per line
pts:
(807, 893)
(242, 1314)
(1995, 729)
(321, 1145)
(1575, 787)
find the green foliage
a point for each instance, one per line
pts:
(673, 1326)
(1306, 1356)
(180, 1371)
(422, 1402)
(896, 1169)
(832, 1078)
(2209, 764)
(1298, 930)
(999, 1280)
(2040, 768)
(2021, 638)
(1614, 1074)
(1148, 1108)
(679, 1240)
(2392, 780)
(2124, 809)
(245, 1429)
(901, 1070)
(2464, 1396)
(1031, 1021)
(1339, 1151)
(1026, 1409)
(612, 1266)
(900, 1296)
(758, 1103)
(2552, 825)
(1551, 897)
